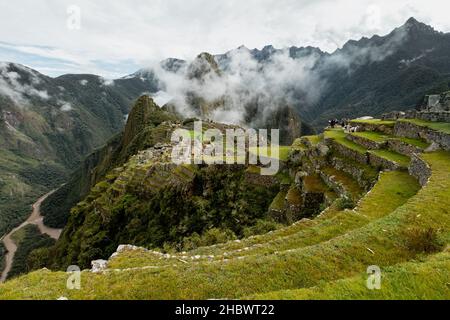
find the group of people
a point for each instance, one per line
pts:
(344, 123)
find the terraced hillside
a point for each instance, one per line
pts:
(382, 197)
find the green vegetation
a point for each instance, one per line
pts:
(414, 142)
(374, 122)
(2, 255)
(298, 145)
(424, 279)
(350, 185)
(438, 126)
(27, 239)
(371, 135)
(314, 140)
(218, 216)
(283, 152)
(401, 159)
(340, 137)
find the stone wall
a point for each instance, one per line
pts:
(369, 144)
(419, 169)
(379, 162)
(442, 116)
(365, 126)
(411, 130)
(332, 183)
(356, 172)
(403, 147)
(348, 153)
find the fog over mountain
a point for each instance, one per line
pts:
(316, 84)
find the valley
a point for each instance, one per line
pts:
(36, 219)
(167, 201)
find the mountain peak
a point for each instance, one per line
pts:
(412, 21)
(413, 25)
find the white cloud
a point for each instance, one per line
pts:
(139, 31)
(11, 86)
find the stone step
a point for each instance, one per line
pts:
(365, 175)
(388, 160)
(407, 146)
(342, 183)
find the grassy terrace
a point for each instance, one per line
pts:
(400, 184)
(438, 126)
(278, 201)
(294, 196)
(371, 135)
(414, 142)
(420, 279)
(340, 257)
(313, 139)
(283, 152)
(314, 184)
(374, 122)
(370, 173)
(400, 159)
(350, 185)
(340, 137)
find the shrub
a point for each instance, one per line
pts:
(423, 240)
(208, 238)
(261, 227)
(345, 202)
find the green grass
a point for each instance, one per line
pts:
(320, 256)
(298, 145)
(400, 185)
(350, 185)
(294, 196)
(283, 152)
(314, 184)
(278, 202)
(371, 135)
(425, 279)
(340, 137)
(375, 122)
(400, 159)
(313, 139)
(438, 126)
(414, 142)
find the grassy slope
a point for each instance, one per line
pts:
(402, 281)
(340, 137)
(375, 122)
(392, 156)
(338, 258)
(399, 184)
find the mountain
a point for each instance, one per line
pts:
(139, 196)
(47, 127)
(382, 74)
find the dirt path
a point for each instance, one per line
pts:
(36, 219)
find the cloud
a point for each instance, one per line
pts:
(267, 85)
(17, 90)
(116, 37)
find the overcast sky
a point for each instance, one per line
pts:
(116, 37)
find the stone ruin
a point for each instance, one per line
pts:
(435, 107)
(436, 103)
